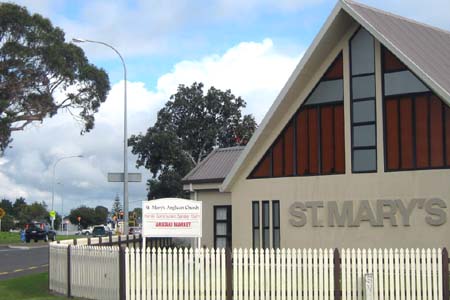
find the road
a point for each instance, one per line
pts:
(16, 262)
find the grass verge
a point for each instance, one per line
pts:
(29, 287)
(7, 238)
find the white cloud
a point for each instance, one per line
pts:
(254, 70)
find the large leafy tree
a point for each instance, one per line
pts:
(189, 126)
(36, 64)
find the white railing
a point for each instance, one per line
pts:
(178, 274)
(95, 272)
(403, 274)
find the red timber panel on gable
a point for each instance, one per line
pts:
(289, 150)
(336, 70)
(339, 140)
(447, 135)
(406, 129)
(392, 135)
(263, 169)
(422, 130)
(391, 62)
(312, 143)
(278, 157)
(302, 143)
(327, 139)
(436, 133)
(422, 137)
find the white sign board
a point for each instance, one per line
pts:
(172, 217)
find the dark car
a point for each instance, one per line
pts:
(101, 230)
(39, 231)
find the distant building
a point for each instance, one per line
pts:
(354, 152)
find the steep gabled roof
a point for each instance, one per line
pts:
(215, 167)
(422, 48)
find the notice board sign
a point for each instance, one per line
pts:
(172, 217)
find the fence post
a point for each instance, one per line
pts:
(134, 241)
(69, 254)
(337, 275)
(128, 240)
(89, 241)
(75, 242)
(100, 242)
(445, 278)
(119, 240)
(229, 273)
(122, 275)
(110, 240)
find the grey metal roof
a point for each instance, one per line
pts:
(215, 167)
(426, 47)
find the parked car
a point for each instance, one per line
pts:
(101, 230)
(39, 231)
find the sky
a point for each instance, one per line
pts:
(248, 46)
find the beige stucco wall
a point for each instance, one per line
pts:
(210, 198)
(348, 187)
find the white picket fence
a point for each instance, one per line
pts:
(400, 274)
(286, 274)
(283, 274)
(57, 264)
(176, 274)
(397, 274)
(95, 272)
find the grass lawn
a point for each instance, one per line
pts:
(14, 238)
(30, 287)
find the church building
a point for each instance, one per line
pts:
(354, 151)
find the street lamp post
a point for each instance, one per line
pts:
(125, 142)
(53, 178)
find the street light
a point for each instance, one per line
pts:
(53, 178)
(125, 142)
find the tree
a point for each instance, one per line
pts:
(19, 206)
(36, 64)
(87, 215)
(117, 207)
(189, 126)
(7, 223)
(101, 214)
(7, 206)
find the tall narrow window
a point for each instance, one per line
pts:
(256, 224)
(363, 116)
(265, 224)
(276, 223)
(312, 142)
(222, 226)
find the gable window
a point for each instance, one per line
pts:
(416, 121)
(363, 116)
(312, 143)
(256, 224)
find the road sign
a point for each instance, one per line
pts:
(119, 177)
(2, 213)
